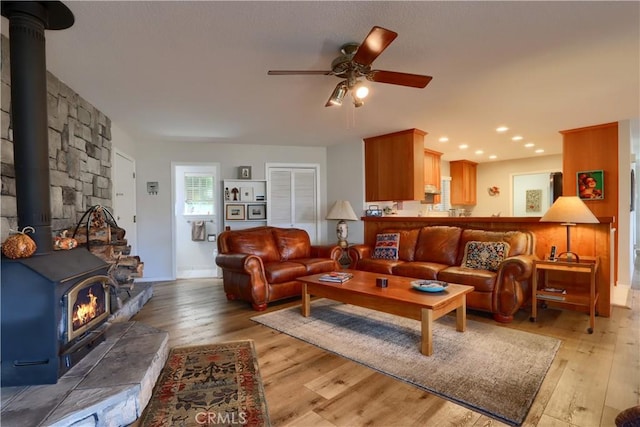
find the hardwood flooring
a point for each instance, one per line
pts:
(592, 378)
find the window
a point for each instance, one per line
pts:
(445, 195)
(199, 194)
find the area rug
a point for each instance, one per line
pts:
(489, 368)
(214, 385)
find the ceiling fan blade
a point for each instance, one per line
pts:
(373, 45)
(402, 79)
(293, 72)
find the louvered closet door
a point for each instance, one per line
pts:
(293, 199)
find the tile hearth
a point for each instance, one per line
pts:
(109, 387)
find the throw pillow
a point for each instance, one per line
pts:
(484, 255)
(386, 246)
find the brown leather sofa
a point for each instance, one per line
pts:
(437, 253)
(261, 264)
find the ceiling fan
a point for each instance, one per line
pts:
(355, 62)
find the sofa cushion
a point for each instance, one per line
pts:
(481, 280)
(438, 244)
(408, 241)
(518, 241)
(283, 271)
(382, 266)
(419, 270)
(259, 243)
(386, 246)
(484, 255)
(292, 243)
(317, 265)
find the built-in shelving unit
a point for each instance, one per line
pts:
(244, 203)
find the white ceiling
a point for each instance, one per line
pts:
(197, 71)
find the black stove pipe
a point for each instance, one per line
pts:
(27, 22)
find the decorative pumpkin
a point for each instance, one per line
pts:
(65, 243)
(19, 245)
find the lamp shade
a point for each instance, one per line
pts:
(342, 209)
(569, 210)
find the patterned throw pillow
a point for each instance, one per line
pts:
(386, 246)
(484, 255)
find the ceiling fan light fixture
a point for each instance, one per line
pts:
(360, 91)
(358, 102)
(338, 94)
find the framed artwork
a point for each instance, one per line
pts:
(533, 201)
(244, 172)
(246, 194)
(590, 185)
(235, 212)
(257, 212)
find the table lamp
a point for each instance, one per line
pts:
(342, 211)
(569, 210)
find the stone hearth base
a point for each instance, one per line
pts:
(109, 387)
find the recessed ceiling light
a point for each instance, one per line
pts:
(444, 139)
(502, 129)
(517, 138)
(479, 152)
(539, 150)
(529, 144)
(493, 156)
(463, 146)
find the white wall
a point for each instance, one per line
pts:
(345, 181)
(123, 141)
(499, 174)
(153, 163)
(626, 222)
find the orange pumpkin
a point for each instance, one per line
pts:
(19, 245)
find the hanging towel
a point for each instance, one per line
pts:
(198, 231)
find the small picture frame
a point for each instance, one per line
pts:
(590, 185)
(235, 212)
(244, 172)
(256, 211)
(246, 194)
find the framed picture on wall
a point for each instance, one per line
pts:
(590, 185)
(256, 212)
(244, 172)
(234, 212)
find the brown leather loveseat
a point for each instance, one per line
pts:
(457, 255)
(261, 264)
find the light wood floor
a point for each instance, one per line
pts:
(592, 379)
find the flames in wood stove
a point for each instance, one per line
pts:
(87, 304)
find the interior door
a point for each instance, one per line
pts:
(293, 199)
(124, 202)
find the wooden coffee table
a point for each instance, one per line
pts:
(398, 298)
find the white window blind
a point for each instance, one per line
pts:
(199, 194)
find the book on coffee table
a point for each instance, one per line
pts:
(335, 277)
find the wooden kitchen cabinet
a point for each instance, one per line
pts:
(463, 182)
(432, 170)
(394, 166)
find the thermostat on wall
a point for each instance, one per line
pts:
(152, 187)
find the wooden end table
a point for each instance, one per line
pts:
(397, 298)
(576, 297)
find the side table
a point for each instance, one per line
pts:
(573, 296)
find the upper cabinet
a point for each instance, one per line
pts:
(394, 166)
(432, 170)
(463, 182)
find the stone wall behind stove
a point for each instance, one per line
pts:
(79, 154)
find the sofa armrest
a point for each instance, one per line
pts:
(358, 252)
(328, 251)
(512, 287)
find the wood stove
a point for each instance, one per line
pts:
(40, 339)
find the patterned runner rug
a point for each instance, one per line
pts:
(491, 369)
(213, 385)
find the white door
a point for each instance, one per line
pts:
(124, 202)
(293, 198)
(195, 258)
